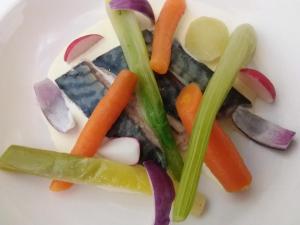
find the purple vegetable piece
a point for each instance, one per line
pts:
(164, 192)
(54, 106)
(141, 6)
(261, 130)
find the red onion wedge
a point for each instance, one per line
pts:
(54, 106)
(258, 83)
(124, 150)
(164, 192)
(141, 6)
(261, 130)
(81, 45)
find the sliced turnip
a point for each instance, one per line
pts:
(53, 106)
(124, 150)
(261, 130)
(258, 83)
(81, 45)
(163, 190)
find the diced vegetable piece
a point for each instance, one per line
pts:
(258, 83)
(261, 130)
(102, 119)
(141, 6)
(124, 150)
(222, 157)
(164, 31)
(75, 169)
(206, 39)
(80, 46)
(135, 52)
(239, 51)
(163, 190)
(54, 106)
(199, 204)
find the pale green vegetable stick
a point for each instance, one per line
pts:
(75, 169)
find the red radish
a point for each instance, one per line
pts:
(259, 83)
(81, 45)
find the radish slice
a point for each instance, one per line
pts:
(81, 45)
(261, 130)
(124, 150)
(53, 106)
(164, 192)
(259, 84)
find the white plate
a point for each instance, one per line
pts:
(33, 32)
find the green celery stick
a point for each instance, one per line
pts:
(135, 51)
(239, 51)
(75, 169)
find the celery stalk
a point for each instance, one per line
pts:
(239, 51)
(75, 169)
(135, 51)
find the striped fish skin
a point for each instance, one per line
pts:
(85, 90)
(82, 87)
(185, 68)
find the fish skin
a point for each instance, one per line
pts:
(185, 68)
(85, 90)
(82, 87)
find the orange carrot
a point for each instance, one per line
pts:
(102, 119)
(164, 31)
(222, 157)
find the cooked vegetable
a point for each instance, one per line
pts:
(261, 130)
(102, 119)
(164, 31)
(124, 150)
(81, 45)
(258, 83)
(135, 51)
(75, 169)
(206, 39)
(239, 51)
(184, 70)
(199, 204)
(54, 106)
(141, 6)
(163, 190)
(222, 157)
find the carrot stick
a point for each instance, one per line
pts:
(164, 31)
(102, 119)
(222, 157)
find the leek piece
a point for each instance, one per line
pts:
(239, 51)
(136, 55)
(75, 169)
